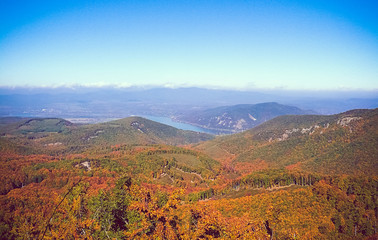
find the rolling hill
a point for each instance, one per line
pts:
(345, 143)
(240, 117)
(293, 177)
(55, 133)
(132, 130)
(16, 125)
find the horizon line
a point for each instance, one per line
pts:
(178, 86)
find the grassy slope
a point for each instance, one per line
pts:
(33, 125)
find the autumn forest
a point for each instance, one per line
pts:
(293, 177)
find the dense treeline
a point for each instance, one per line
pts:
(275, 178)
(62, 198)
(266, 179)
(335, 208)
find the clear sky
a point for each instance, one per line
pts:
(301, 44)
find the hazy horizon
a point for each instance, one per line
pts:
(79, 89)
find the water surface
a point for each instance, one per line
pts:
(179, 125)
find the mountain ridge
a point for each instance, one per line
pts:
(112, 102)
(336, 144)
(239, 117)
(60, 133)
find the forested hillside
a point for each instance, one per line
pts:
(59, 135)
(337, 144)
(294, 177)
(239, 117)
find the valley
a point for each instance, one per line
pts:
(188, 120)
(307, 176)
(237, 118)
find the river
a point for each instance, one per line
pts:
(179, 125)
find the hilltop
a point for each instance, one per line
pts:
(133, 130)
(17, 125)
(59, 134)
(344, 143)
(239, 117)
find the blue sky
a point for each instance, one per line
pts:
(310, 45)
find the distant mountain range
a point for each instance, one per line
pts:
(239, 117)
(99, 104)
